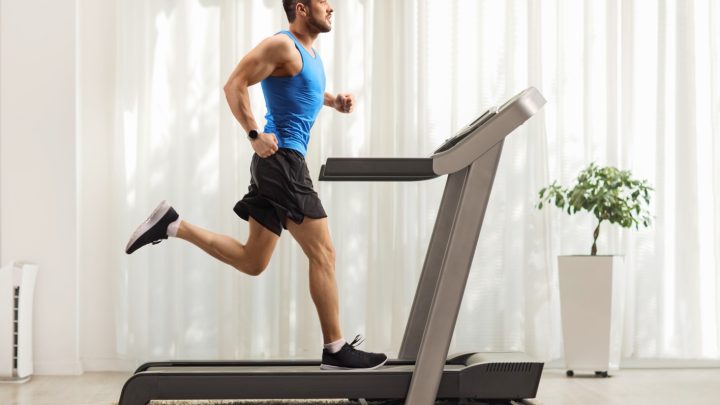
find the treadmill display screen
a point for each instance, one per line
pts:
(449, 143)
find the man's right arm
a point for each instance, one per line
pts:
(258, 64)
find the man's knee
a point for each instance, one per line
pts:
(253, 267)
(323, 256)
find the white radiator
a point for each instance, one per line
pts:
(17, 284)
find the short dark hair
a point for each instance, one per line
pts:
(289, 6)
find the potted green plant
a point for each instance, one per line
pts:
(591, 287)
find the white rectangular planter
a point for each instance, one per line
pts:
(592, 307)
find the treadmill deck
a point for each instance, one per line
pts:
(305, 379)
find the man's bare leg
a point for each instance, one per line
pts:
(314, 239)
(251, 258)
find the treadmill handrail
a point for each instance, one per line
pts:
(377, 169)
(485, 132)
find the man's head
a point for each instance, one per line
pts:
(315, 14)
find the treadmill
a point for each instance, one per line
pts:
(423, 371)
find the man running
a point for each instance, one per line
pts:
(281, 194)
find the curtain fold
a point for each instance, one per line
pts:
(633, 84)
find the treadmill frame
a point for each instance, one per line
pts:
(437, 300)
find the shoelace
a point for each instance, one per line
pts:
(357, 341)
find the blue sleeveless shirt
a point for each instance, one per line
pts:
(293, 102)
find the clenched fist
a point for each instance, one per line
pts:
(344, 103)
(265, 145)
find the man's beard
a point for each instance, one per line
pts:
(320, 25)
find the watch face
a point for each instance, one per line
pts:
(253, 134)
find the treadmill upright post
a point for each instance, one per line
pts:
(431, 270)
(467, 199)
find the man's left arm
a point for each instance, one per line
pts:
(343, 102)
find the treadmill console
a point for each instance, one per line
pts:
(470, 128)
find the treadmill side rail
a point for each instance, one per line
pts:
(223, 363)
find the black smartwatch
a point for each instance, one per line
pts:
(253, 134)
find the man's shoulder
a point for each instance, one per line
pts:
(278, 48)
(280, 42)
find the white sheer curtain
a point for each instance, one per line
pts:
(634, 84)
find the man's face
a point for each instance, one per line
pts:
(320, 15)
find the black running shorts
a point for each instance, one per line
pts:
(280, 188)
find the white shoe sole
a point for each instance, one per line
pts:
(153, 219)
(328, 367)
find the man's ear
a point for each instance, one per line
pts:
(301, 10)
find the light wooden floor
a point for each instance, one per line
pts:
(656, 387)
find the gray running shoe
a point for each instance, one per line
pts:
(154, 229)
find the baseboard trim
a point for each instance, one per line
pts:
(109, 364)
(58, 368)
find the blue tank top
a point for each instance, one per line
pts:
(293, 102)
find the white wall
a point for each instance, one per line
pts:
(56, 120)
(38, 187)
(98, 270)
